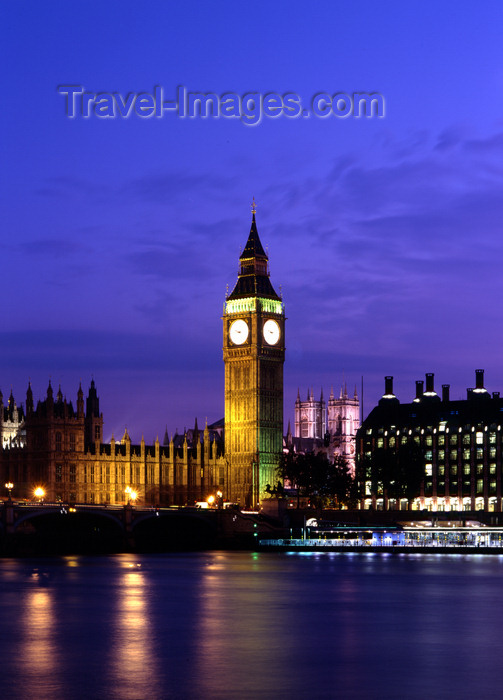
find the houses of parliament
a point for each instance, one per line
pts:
(59, 447)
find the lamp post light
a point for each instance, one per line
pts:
(132, 495)
(210, 500)
(39, 493)
(9, 486)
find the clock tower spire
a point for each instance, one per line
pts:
(254, 353)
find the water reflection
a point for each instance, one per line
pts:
(229, 625)
(132, 656)
(38, 648)
(248, 629)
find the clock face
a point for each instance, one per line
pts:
(271, 332)
(238, 332)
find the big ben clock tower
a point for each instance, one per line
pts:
(254, 353)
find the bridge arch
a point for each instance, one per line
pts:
(59, 531)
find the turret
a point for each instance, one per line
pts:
(29, 400)
(93, 418)
(50, 400)
(80, 402)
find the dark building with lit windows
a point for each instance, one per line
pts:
(459, 441)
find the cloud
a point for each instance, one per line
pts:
(52, 247)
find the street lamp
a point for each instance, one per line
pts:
(132, 495)
(9, 486)
(39, 493)
(211, 500)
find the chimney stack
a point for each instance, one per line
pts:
(445, 392)
(479, 378)
(429, 383)
(388, 397)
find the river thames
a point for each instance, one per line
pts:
(247, 625)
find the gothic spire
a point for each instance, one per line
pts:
(253, 278)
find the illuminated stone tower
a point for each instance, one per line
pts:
(254, 353)
(343, 422)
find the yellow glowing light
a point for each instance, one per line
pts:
(211, 500)
(39, 492)
(9, 485)
(133, 495)
(219, 494)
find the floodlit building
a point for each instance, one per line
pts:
(60, 449)
(12, 432)
(330, 429)
(460, 443)
(65, 455)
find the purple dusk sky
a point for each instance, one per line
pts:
(119, 236)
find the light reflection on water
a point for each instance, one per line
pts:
(132, 656)
(39, 647)
(243, 625)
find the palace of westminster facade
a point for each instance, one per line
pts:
(60, 448)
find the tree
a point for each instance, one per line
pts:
(314, 476)
(397, 473)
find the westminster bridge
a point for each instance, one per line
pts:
(56, 528)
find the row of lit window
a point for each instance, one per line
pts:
(95, 474)
(453, 487)
(467, 469)
(465, 487)
(454, 439)
(467, 453)
(442, 428)
(454, 455)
